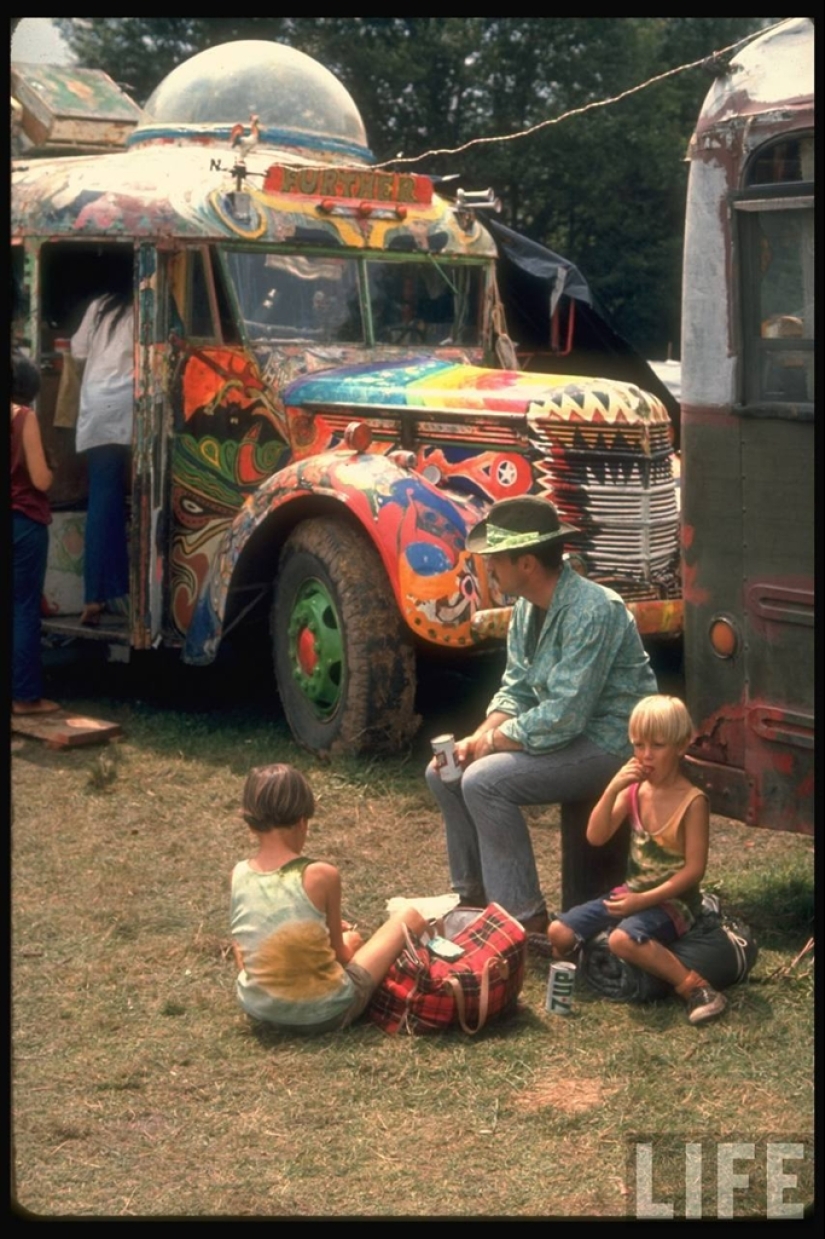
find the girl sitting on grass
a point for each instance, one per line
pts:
(299, 965)
(670, 823)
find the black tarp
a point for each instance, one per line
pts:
(532, 280)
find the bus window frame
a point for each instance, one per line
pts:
(198, 262)
(754, 348)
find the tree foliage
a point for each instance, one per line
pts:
(605, 187)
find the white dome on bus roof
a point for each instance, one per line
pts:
(298, 102)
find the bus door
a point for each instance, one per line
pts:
(150, 449)
(777, 480)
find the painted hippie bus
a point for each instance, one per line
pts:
(747, 449)
(323, 404)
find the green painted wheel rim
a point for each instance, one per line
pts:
(316, 648)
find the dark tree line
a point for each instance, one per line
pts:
(605, 188)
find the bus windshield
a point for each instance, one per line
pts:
(435, 303)
(313, 297)
(287, 297)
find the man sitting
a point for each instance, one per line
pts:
(556, 730)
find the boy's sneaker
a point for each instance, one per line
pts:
(703, 1003)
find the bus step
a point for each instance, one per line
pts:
(112, 628)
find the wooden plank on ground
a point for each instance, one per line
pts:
(63, 730)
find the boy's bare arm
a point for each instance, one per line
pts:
(322, 883)
(696, 834)
(611, 808)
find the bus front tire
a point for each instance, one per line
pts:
(344, 664)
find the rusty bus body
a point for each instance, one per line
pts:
(748, 434)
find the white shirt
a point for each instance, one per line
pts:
(107, 389)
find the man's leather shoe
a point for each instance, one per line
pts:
(536, 924)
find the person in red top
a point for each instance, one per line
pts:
(31, 477)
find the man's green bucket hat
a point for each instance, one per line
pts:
(518, 525)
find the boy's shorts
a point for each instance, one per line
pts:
(364, 988)
(588, 919)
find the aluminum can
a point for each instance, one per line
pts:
(445, 761)
(560, 988)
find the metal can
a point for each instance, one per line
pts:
(560, 988)
(445, 760)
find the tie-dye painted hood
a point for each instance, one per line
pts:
(434, 383)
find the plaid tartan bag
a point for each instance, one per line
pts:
(422, 993)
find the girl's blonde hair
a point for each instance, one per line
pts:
(276, 795)
(660, 718)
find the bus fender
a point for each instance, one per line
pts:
(417, 529)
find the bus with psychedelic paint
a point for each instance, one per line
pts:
(326, 399)
(747, 445)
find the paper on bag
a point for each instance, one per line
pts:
(431, 907)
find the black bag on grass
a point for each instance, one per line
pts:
(719, 947)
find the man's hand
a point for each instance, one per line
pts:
(483, 742)
(465, 750)
(485, 745)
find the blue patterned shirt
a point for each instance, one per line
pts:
(587, 672)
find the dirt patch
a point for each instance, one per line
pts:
(556, 1092)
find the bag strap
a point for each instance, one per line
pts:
(410, 949)
(740, 950)
(454, 984)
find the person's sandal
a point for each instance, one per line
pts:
(41, 706)
(91, 613)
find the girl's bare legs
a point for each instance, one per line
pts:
(381, 950)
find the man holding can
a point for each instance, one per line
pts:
(556, 730)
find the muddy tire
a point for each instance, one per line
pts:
(343, 660)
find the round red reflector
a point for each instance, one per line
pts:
(723, 638)
(358, 436)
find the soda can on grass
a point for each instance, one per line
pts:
(445, 760)
(560, 988)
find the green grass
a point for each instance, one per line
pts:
(140, 1088)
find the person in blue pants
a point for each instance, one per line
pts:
(556, 730)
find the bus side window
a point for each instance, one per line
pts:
(200, 322)
(200, 298)
(777, 235)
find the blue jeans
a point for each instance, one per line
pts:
(105, 556)
(588, 919)
(488, 841)
(31, 550)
